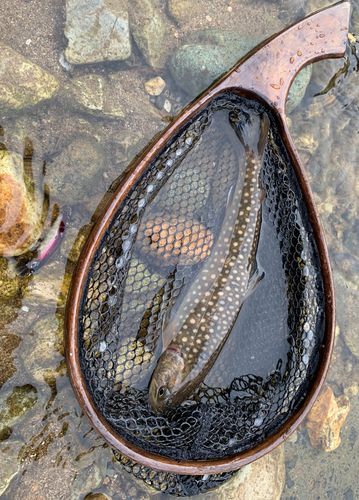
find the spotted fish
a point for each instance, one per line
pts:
(192, 352)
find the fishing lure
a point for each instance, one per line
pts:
(49, 246)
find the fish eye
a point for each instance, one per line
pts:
(163, 392)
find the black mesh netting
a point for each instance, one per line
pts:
(160, 237)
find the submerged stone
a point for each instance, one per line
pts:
(49, 286)
(90, 479)
(184, 10)
(209, 54)
(326, 419)
(76, 172)
(74, 241)
(9, 282)
(22, 83)
(14, 406)
(50, 329)
(91, 94)
(347, 298)
(150, 31)
(10, 458)
(97, 30)
(21, 206)
(263, 479)
(155, 86)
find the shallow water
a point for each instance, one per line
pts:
(48, 448)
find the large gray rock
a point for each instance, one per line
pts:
(209, 54)
(150, 31)
(22, 82)
(97, 30)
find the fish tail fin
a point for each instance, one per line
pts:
(253, 132)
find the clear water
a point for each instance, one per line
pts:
(51, 451)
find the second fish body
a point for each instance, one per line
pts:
(194, 348)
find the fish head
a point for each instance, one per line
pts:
(166, 379)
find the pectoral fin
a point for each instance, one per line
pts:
(256, 274)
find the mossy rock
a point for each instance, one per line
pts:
(23, 84)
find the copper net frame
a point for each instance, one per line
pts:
(265, 75)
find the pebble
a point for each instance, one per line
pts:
(155, 86)
(167, 106)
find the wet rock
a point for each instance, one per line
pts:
(91, 94)
(14, 406)
(184, 10)
(97, 496)
(347, 298)
(8, 313)
(160, 101)
(90, 479)
(50, 329)
(49, 287)
(95, 204)
(43, 361)
(22, 83)
(127, 145)
(326, 73)
(208, 54)
(343, 374)
(97, 30)
(74, 241)
(20, 207)
(263, 479)
(150, 31)
(76, 172)
(9, 281)
(8, 342)
(314, 5)
(10, 457)
(326, 419)
(155, 86)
